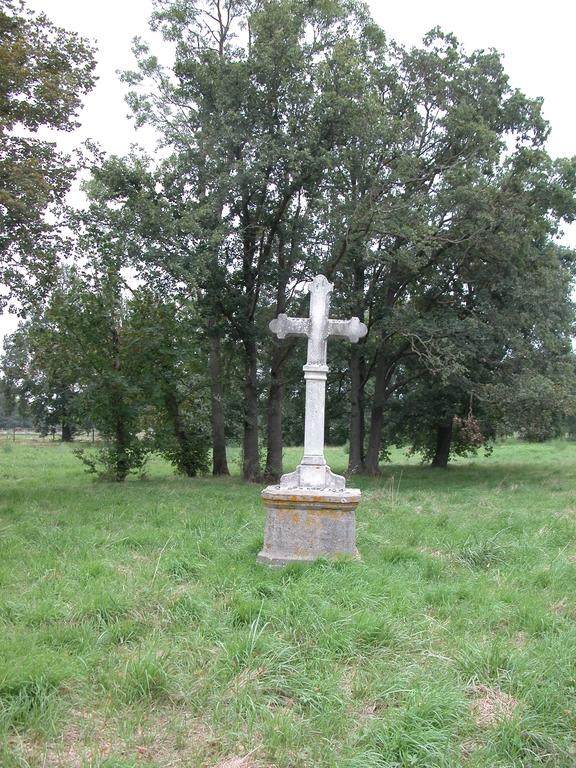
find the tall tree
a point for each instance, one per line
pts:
(504, 363)
(448, 194)
(245, 112)
(44, 73)
(143, 209)
(300, 143)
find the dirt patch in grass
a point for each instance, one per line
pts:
(436, 554)
(373, 709)
(490, 705)
(561, 606)
(238, 762)
(468, 748)
(167, 739)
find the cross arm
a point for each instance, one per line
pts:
(352, 329)
(284, 326)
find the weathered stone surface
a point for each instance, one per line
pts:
(305, 524)
(314, 477)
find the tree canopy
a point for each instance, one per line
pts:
(44, 73)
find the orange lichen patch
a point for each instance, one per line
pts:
(286, 515)
(491, 705)
(317, 519)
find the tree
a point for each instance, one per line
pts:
(506, 361)
(144, 208)
(438, 194)
(37, 377)
(79, 340)
(245, 114)
(168, 336)
(173, 382)
(301, 143)
(119, 358)
(44, 73)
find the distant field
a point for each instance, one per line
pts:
(136, 627)
(23, 435)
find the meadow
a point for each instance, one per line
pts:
(137, 628)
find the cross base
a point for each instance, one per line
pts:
(313, 474)
(302, 525)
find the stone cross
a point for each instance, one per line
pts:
(313, 471)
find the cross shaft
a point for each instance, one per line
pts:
(318, 327)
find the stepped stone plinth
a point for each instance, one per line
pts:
(303, 524)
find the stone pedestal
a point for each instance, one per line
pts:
(303, 524)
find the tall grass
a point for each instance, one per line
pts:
(136, 626)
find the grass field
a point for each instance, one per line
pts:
(136, 627)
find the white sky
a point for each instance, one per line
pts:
(537, 42)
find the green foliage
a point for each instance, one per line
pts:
(8, 419)
(506, 360)
(188, 455)
(170, 368)
(38, 379)
(121, 360)
(78, 340)
(44, 73)
(300, 141)
(415, 419)
(114, 463)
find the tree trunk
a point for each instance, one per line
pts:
(251, 460)
(219, 461)
(372, 459)
(280, 354)
(275, 400)
(356, 454)
(357, 372)
(122, 466)
(66, 433)
(443, 441)
(186, 463)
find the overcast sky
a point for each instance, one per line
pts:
(538, 50)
